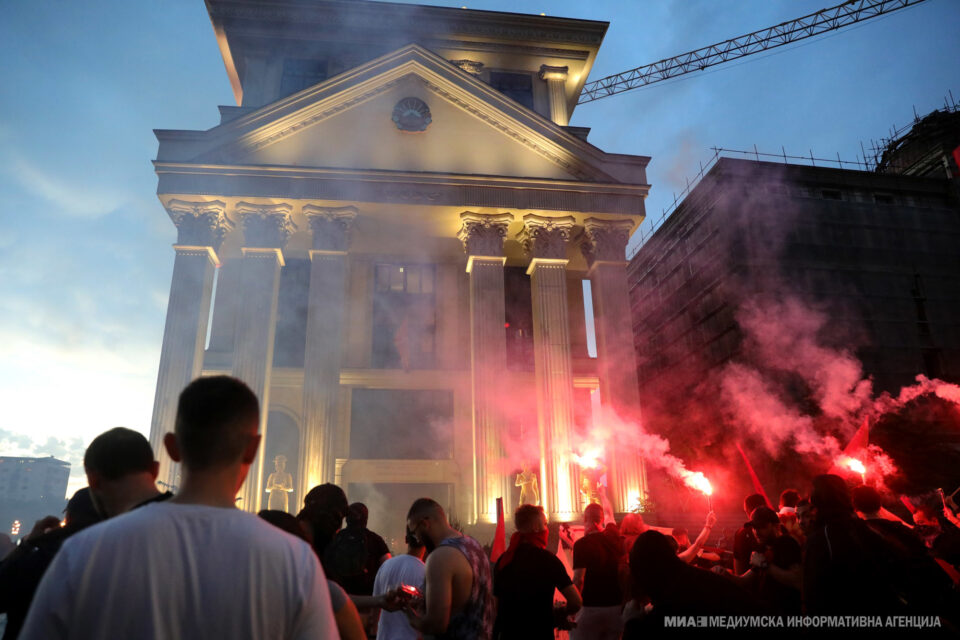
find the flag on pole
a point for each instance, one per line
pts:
(753, 476)
(500, 535)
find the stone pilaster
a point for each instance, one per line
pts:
(545, 240)
(482, 236)
(556, 79)
(321, 363)
(604, 245)
(266, 229)
(201, 227)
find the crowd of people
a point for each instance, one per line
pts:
(132, 562)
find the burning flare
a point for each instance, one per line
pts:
(590, 458)
(696, 480)
(853, 464)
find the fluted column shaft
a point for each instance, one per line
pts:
(200, 230)
(604, 246)
(545, 239)
(556, 79)
(321, 365)
(266, 229)
(482, 237)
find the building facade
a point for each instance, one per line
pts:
(398, 221)
(33, 479)
(876, 251)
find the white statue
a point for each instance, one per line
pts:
(279, 485)
(527, 481)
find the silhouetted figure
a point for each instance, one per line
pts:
(355, 554)
(193, 566)
(675, 588)
(122, 474)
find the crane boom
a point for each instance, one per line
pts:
(808, 26)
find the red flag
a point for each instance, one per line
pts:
(500, 536)
(757, 487)
(858, 443)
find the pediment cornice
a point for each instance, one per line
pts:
(233, 141)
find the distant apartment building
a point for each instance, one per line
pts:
(878, 252)
(33, 479)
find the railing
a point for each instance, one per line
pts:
(649, 226)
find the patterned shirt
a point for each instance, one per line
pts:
(475, 620)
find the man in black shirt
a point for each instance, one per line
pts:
(596, 563)
(525, 579)
(356, 553)
(775, 568)
(745, 541)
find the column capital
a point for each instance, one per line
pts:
(199, 224)
(470, 66)
(605, 240)
(544, 237)
(265, 226)
(330, 226)
(553, 73)
(482, 234)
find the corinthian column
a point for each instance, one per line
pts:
(545, 240)
(482, 237)
(604, 244)
(266, 229)
(201, 227)
(556, 78)
(321, 363)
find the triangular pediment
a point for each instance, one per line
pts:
(347, 122)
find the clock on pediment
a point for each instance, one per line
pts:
(411, 114)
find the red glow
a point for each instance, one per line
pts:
(506, 325)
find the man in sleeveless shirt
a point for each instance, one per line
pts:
(458, 599)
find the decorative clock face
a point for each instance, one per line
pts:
(411, 114)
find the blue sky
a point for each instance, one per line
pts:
(85, 257)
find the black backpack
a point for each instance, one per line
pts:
(346, 560)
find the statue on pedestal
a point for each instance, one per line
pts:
(279, 485)
(527, 481)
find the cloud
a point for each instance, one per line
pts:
(73, 198)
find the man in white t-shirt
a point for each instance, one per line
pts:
(407, 569)
(194, 566)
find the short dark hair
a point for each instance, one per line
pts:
(866, 499)
(283, 520)
(117, 453)
(425, 508)
(753, 501)
(327, 497)
(413, 541)
(357, 515)
(804, 502)
(593, 513)
(527, 516)
(789, 498)
(831, 497)
(215, 417)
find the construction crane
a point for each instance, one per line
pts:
(784, 33)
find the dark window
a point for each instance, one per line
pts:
(291, 335)
(883, 198)
(831, 194)
(404, 316)
(300, 74)
(518, 310)
(518, 86)
(401, 424)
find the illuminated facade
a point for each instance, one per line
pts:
(398, 222)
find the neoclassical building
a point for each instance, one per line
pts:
(388, 239)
